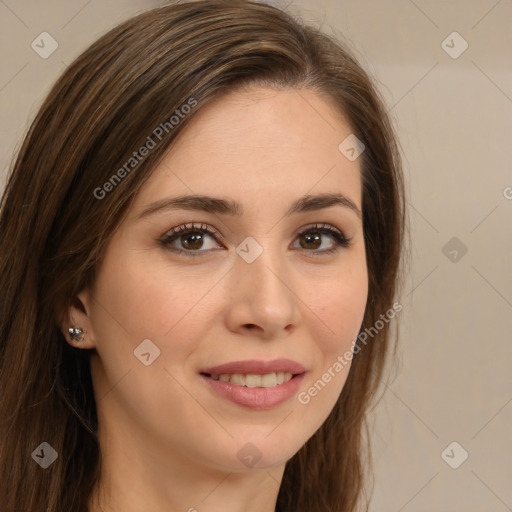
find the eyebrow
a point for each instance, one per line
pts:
(307, 203)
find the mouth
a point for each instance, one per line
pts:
(255, 384)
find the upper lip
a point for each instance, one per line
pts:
(256, 367)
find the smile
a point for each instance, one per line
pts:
(255, 384)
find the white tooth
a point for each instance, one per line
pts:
(253, 381)
(268, 380)
(238, 379)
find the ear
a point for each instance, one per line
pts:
(77, 315)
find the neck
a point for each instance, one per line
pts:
(138, 476)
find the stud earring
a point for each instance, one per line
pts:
(75, 334)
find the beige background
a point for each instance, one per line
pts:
(454, 117)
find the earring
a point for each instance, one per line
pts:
(75, 332)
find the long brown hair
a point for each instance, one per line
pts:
(54, 228)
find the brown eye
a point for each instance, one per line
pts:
(191, 239)
(311, 239)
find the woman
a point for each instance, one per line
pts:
(205, 214)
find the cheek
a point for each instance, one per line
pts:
(340, 306)
(133, 302)
(340, 302)
(151, 301)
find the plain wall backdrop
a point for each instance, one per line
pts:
(445, 70)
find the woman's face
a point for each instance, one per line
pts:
(264, 285)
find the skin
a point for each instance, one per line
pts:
(169, 442)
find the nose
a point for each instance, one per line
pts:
(263, 298)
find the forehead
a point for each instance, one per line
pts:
(259, 141)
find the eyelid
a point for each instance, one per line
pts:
(320, 225)
(193, 226)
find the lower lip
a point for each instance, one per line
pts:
(256, 398)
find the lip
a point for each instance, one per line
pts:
(256, 398)
(257, 367)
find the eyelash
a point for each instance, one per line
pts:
(339, 238)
